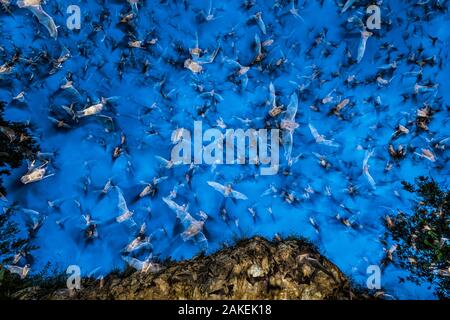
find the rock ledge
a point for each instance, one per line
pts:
(251, 269)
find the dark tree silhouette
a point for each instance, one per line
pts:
(9, 242)
(16, 145)
(423, 237)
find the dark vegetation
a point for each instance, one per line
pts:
(423, 237)
(16, 145)
(47, 280)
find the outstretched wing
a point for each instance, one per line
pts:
(122, 204)
(164, 161)
(292, 108)
(237, 195)
(330, 143)
(367, 156)
(209, 58)
(158, 180)
(370, 179)
(315, 133)
(133, 262)
(258, 44)
(347, 5)
(261, 24)
(45, 20)
(217, 186)
(321, 139)
(287, 143)
(233, 63)
(272, 94)
(14, 269)
(179, 210)
(366, 172)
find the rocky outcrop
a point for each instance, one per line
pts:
(252, 269)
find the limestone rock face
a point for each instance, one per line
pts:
(252, 269)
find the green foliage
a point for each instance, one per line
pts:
(423, 237)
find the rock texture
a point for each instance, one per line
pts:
(252, 269)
